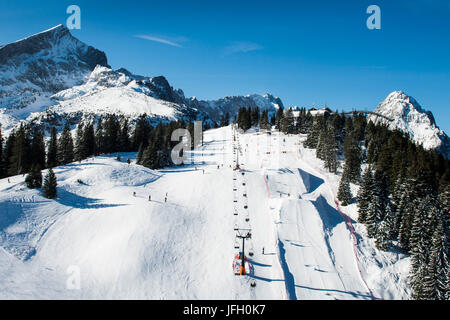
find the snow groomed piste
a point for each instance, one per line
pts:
(268, 230)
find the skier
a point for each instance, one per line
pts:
(263, 250)
(165, 199)
(9, 181)
(134, 194)
(149, 198)
(128, 161)
(203, 170)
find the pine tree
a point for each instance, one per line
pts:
(20, 160)
(344, 193)
(50, 183)
(88, 142)
(52, 153)
(287, 122)
(65, 146)
(37, 149)
(353, 158)
(382, 238)
(2, 160)
(331, 152)
(312, 139)
(255, 116)
(80, 149)
(264, 121)
(99, 138)
(124, 139)
(444, 202)
(140, 154)
(426, 211)
(279, 116)
(437, 283)
(365, 195)
(34, 177)
(379, 201)
(111, 134)
(141, 133)
(8, 152)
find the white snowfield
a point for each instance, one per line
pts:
(98, 241)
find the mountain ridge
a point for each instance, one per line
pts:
(411, 118)
(58, 67)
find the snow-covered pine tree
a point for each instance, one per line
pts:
(437, 282)
(331, 152)
(378, 203)
(382, 237)
(321, 145)
(312, 139)
(444, 203)
(34, 177)
(426, 211)
(344, 193)
(353, 158)
(50, 183)
(365, 195)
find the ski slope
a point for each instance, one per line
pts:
(123, 247)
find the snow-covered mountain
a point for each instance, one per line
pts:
(34, 68)
(232, 104)
(404, 113)
(52, 77)
(114, 92)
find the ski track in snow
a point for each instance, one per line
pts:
(130, 248)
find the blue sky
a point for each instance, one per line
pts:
(305, 52)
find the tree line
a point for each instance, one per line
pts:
(24, 151)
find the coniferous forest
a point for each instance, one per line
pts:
(404, 190)
(25, 152)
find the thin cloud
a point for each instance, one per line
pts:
(242, 47)
(170, 42)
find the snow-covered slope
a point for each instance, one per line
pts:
(124, 247)
(408, 116)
